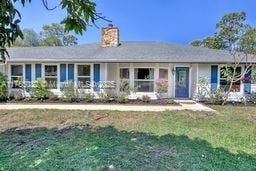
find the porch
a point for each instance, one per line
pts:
(181, 78)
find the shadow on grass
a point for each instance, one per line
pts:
(107, 148)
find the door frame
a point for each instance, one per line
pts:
(189, 80)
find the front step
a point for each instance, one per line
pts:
(180, 101)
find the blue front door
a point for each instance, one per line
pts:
(182, 82)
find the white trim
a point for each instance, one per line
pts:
(33, 72)
(117, 78)
(170, 81)
(156, 76)
(91, 75)
(218, 79)
(131, 70)
(10, 73)
(58, 73)
(197, 77)
(149, 80)
(106, 71)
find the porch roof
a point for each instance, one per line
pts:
(126, 52)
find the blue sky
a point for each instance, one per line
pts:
(177, 21)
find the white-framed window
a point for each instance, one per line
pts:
(84, 76)
(144, 79)
(124, 78)
(51, 76)
(163, 73)
(224, 84)
(17, 76)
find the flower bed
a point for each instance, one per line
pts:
(160, 102)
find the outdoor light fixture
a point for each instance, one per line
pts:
(173, 71)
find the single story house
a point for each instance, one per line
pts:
(141, 64)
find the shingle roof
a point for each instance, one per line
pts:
(126, 52)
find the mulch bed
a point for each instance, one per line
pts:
(158, 102)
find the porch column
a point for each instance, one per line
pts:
(106, 72)
(131, 75)
(171, 81)
(117, 78)
(170, 76)
(156, 76)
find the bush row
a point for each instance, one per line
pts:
(40, 91)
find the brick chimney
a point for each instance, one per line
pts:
(110, 36)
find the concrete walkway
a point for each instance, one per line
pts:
(193, 107)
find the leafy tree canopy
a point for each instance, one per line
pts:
(233, 33)
(55, 35)
(30, 38)
(80, 14)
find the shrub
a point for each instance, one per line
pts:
(216, 97)
(204, 93)
(19, 96)
(69, 93)
(126, 90)
(170, 101)
(162, 86)
(89, 97)
(104, 97)
(146, 99)
(3, 87)
(40, 89)
(254, 98)
(53, 97)
(122, 98)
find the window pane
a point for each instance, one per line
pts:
(144, 73)
(50, 70)
(17, 70)
(163, 74)
(144, 86)
(224, 83)
(17, 82)
(84, 70)
(84, 83)
(124, 73)
(52, 83)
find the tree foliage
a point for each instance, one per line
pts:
(55, 35)
(80, 14)
(30, 38)
(230, 30)
(239, 38)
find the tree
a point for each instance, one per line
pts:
(55, 35)
(69, 40)
(80, 14)
(213, 42)
(196, 43)
(239, 39)
(230, 29)
(30, 38)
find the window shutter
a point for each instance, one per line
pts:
(96, 76)
(28, 76)
(38, 70)
(63, 73)
(71, 72)
(214, 77)
(247, 82)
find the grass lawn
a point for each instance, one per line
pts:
(82, 140)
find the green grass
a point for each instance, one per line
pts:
(82, 140)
